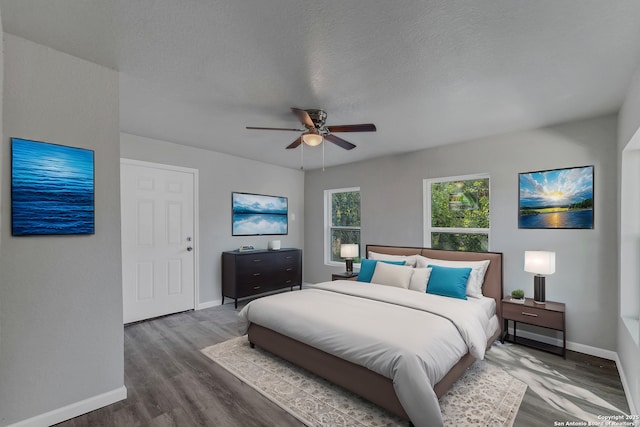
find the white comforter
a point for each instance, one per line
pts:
(407, 336)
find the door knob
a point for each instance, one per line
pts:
(189, 248)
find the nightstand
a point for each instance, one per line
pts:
(344, 276)
(546, 315)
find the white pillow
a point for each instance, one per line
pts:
(476, 278)
(410, 261)
(392, 275)
(419, 279)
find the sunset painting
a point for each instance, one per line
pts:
(559, 198)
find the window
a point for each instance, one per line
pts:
(456, 213)
(342, 222)
(629, 237)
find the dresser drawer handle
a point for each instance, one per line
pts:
(289, 257)
(257, 260)
(524, 313)
(289, 269)
(257, 287)
(256, 274)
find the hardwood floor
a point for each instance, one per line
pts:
(578, 388)
(171, 383)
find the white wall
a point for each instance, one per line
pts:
(391, 198)
(1, 152)
(61, 297)
(220, 174)
(628, 331)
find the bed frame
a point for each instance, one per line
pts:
(362, 381)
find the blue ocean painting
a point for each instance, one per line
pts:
(256, 214)
(559, 198)
(52, 189)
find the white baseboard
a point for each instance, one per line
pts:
(208, 304)
(580, 348)
(75, 409)
(625, 386)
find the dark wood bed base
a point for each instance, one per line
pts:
(362, 381)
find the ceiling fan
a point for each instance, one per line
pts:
(316, 131)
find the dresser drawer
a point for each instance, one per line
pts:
(289, 277)
(256, 262)
(247, 289)
(290, 259)
(533, 316)
(253, 275)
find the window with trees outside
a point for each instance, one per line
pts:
(456, 213)
(342, 222)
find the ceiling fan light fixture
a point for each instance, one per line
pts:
(312, 139)
(315, 132)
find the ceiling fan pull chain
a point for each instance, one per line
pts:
(323, 156)
(302, 156)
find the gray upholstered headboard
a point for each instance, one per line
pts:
(492, 286)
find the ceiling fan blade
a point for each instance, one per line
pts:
(261, 128)
(339, 142)
(303, 116)
(295, 143)
(365, 127)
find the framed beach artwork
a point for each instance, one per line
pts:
(557, 198)
(52, 189)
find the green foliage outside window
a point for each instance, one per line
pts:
(459, 205)
(345, 222)
(460, 242)
(345, 209)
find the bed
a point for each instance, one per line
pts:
(364, 345)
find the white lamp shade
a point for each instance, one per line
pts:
(349, 250)
(540, 262)
(312, 139)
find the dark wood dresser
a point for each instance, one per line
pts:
(251, 273)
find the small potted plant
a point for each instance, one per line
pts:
(517, 296)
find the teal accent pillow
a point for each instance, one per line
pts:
(448, 281)
(368, 266)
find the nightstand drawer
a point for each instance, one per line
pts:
(533, 316)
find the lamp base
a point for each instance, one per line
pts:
(538, 289)
(349, 262)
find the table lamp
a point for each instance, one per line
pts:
(539, 263)
(349, 251)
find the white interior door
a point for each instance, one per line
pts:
(158, 241)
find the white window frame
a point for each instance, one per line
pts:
(426, 220)
(328, 196)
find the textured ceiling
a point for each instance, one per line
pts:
(427, 73)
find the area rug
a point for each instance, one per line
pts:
(484, 396)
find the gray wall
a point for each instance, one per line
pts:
(586, 267)
(60, 297)
(1, 157)
(629, 251)
(220, 174)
